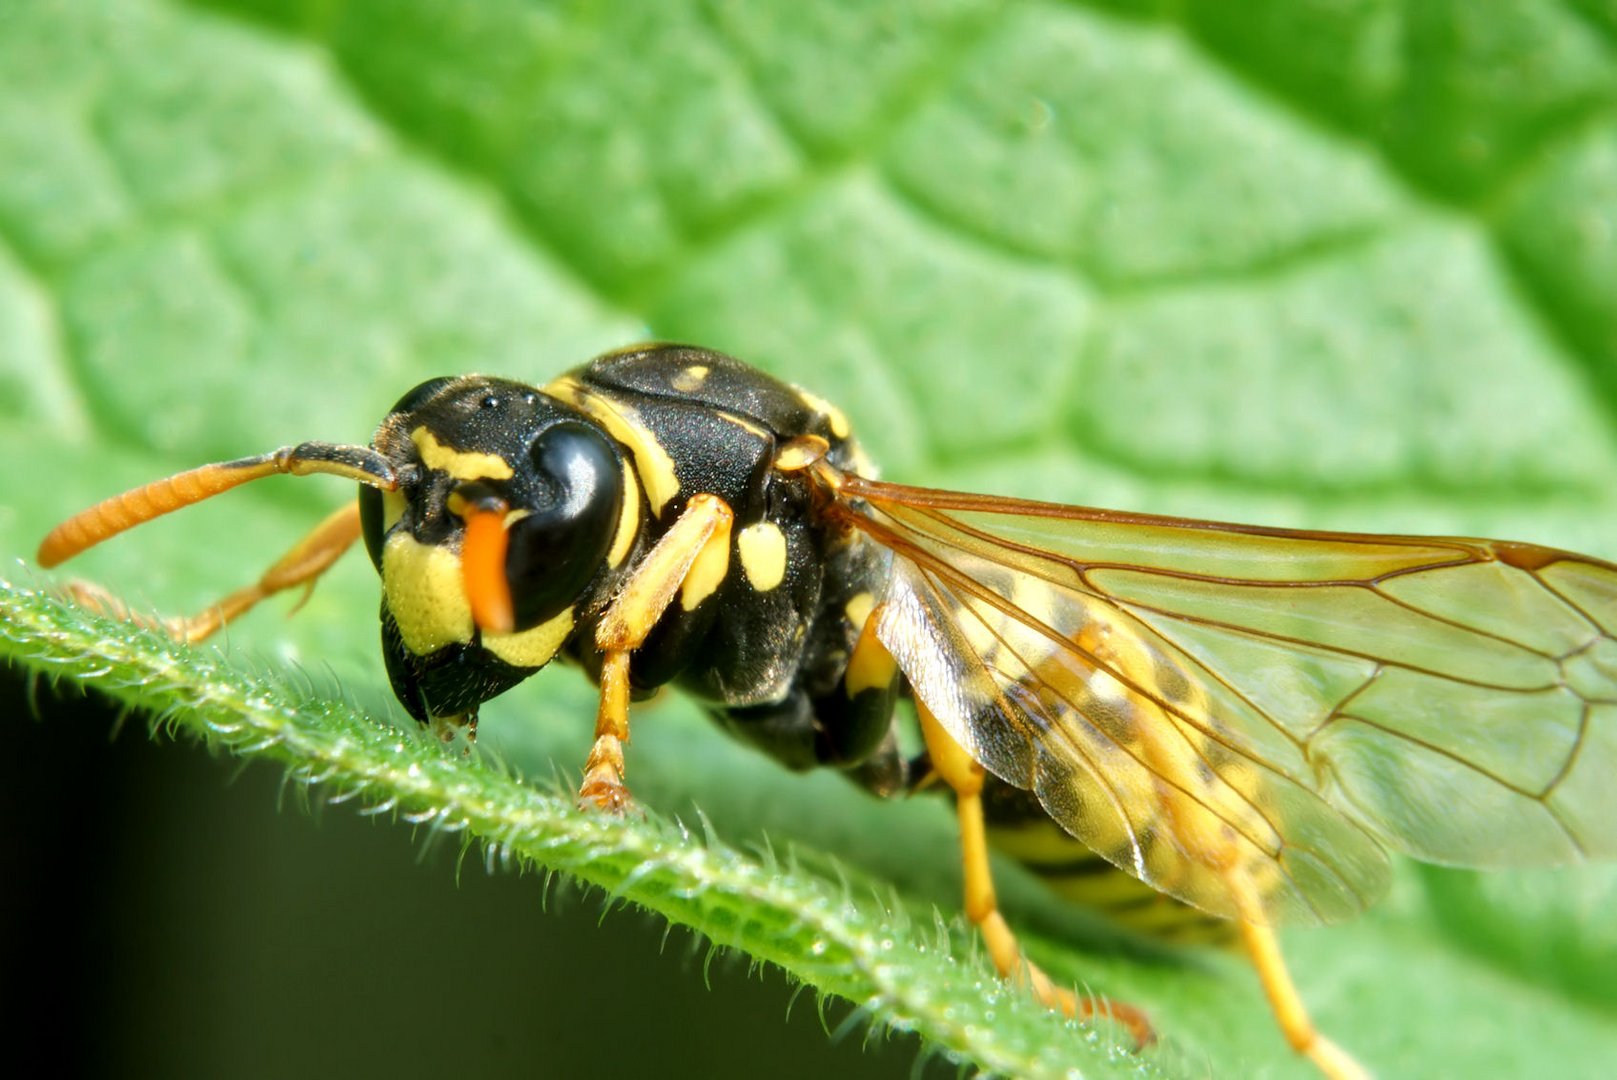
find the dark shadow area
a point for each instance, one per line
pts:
(162, 919)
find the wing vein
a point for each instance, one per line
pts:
(1272, 852)
(1339, 650)
(1329, 694)
(1102, 596)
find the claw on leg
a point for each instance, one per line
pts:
(603, 787)
(1012, 965)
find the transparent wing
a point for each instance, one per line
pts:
(1244, 717)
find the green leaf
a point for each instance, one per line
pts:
(1306, 263)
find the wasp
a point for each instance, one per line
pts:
(1244, 720)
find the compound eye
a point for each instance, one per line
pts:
(370, 523)
(555, 549)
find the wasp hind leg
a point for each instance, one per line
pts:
(301, 566)
(1292, 1015)
(688, 562)
(1213, 844)
(965, 777)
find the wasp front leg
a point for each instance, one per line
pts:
(688, 563)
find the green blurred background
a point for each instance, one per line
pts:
(1339, 263)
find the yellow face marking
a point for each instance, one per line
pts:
(834, 416)
(628, 519)
(689, 379)
(651, 461)
(762, 548)
(422, 584)
(533, 647)
(393, 505)
(461, 464)
(709, 569)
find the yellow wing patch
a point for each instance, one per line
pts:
(1248, 718)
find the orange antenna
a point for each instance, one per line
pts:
(482, 561)
(482, 556)
(112, 516)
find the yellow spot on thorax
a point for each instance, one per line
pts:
(423, 588)
(623, 423)
(461, 464)
(800, 453)
(762, 548)
(690, 379)
(745, 425)
(834, 417)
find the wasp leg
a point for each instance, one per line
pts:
(1264, 949)
(603, 786)
(1213, 844)
(302, 565)
(690, 560)
(956, 768)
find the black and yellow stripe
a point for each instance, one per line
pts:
(1019, 828)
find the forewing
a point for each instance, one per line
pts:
(1198, 701)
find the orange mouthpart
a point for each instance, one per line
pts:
(482, 569)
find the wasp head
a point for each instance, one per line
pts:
(507, 504)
